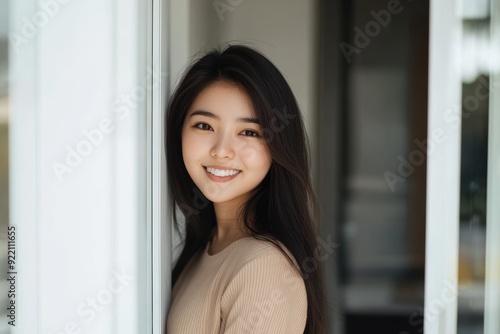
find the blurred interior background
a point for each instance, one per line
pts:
(360, 70)
(364, 97)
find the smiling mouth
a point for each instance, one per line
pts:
(222, 172)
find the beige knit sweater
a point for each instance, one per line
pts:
(248, 287)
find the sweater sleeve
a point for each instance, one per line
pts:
(267, 295)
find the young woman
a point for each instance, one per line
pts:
(238, 169)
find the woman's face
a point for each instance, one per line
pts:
(222, 146)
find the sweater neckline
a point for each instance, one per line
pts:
(222, 254)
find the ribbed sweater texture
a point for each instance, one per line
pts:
(248, 287)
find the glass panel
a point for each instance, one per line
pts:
(471, 269)
(492, 270)
(480, 61)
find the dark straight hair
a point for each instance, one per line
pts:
(283, 207)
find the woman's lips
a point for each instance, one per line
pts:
(220, 178)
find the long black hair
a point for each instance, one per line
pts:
(283, 207)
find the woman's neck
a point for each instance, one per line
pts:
(229, 226)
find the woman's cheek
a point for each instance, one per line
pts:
(247, 151)
(190, 147)
(252, 151)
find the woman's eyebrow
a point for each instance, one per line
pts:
(212, 115)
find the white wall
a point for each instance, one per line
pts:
(79, 87)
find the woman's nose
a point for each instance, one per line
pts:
(223, 147)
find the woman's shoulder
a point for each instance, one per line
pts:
(262, 282)
(252, 252)
(251, 248)
(255, 244)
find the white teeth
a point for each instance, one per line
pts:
(220, 172)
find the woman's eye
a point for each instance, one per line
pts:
(250, 133)
(203, 126)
